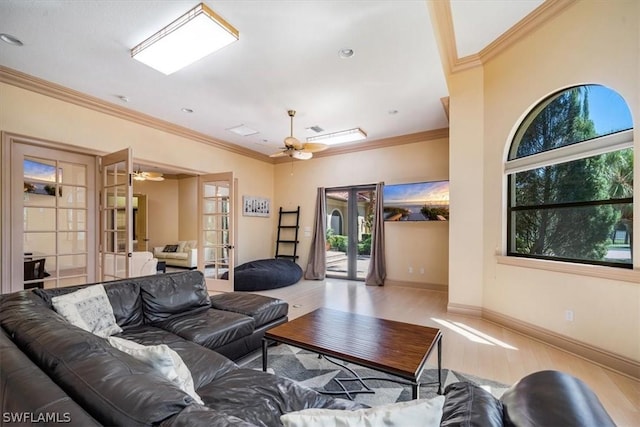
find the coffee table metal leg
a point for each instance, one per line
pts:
(264, 354)
(415, 390)
(440, 365)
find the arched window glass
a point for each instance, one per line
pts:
(570, 172)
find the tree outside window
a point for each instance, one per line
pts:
(571, 180)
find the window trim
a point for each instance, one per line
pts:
(592, 147)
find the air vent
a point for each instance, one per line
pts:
(316, 129)
(243, 130)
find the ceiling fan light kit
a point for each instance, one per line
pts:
(189, 38)
(147, 176)
(296, 149)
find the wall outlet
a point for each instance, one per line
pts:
(568, 315)
(421, 270)
(410, 270)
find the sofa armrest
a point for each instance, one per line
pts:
(193, 256)
(552, 398)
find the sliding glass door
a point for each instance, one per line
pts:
(348, 241)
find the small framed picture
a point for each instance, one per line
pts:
(256, 206)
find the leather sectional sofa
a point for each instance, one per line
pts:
(53, 371)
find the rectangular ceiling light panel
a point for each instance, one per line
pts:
(189, 38)
(334, 138)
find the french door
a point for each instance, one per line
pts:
(116, 217)
(216, 202)
(349, 221)
(52, 217)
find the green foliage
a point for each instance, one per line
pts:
(364, 247)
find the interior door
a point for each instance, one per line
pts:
(216, 204)
(116, 217)
(52, 217)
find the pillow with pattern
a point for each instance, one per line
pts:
(170, 248)
(89, 309)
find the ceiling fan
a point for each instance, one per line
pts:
(147, 176)
(296, 149)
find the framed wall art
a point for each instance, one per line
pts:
(256, 206)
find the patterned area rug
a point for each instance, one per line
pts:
(307, 369)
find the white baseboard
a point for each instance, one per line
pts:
(417, 285)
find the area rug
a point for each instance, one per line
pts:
(307, 369)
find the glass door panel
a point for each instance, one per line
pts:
(53, 221)
(215, 246)
(116, 217)
(349, 222)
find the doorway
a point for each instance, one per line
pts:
(349, 221)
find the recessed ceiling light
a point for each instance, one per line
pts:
(9, 39)
(346, 53)
(186, 110)
(243, 130)
(123, 98)
(392, 112)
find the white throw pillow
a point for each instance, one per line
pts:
(89, 309)
(164, 360)
(181, 245)
(415, 413)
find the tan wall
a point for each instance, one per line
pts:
(29, 113)
(162, 210)
(407, 244)
(590, 42)
(187, 208)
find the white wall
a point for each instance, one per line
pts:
(589, 42)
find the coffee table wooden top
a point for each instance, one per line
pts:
(392, 347)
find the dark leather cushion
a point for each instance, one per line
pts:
(28, 389)
(467, 405)
(552, 398)
(205, 365)
(171, 294)
(113, 387)
(210, 328)
(124, 296)
(263, 309)
(265, 274)
(260, 398)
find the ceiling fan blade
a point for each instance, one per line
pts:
(151, 175)
(301, 155)
(291, 142)
(311, 147)
(280, 154)
(155, 178)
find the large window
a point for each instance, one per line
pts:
(570, 180)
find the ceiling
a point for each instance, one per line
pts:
(286, 58)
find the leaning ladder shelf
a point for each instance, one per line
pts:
(287, 241)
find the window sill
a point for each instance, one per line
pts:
(610, 273)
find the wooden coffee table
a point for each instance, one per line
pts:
(395, 348)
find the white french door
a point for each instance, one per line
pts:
(116, 218)
(52, 217)
(216, 202)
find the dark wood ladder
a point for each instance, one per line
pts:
(288, 234)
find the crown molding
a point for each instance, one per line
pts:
(442, 20)
(43, 87)
(429, 135)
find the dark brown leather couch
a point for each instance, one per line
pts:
(54, 372)
(79, 377)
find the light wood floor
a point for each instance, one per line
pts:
(470, 345)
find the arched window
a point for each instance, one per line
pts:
(570, 180)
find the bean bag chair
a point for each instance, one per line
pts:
(265, 274)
